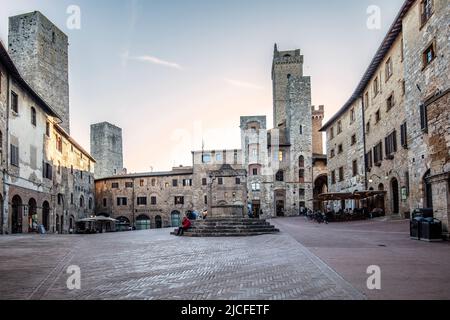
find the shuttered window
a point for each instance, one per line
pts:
(14, 155)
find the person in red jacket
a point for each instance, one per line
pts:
(185, 225)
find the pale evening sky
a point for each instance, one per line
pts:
(175, 71)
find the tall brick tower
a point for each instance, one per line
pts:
(317, 138)
(40, 51)
(286, 64)
(107, 149)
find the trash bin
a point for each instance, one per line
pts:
(431, 230)
(415, 228)
(424, 213)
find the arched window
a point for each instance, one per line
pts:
(33, 116)
(301, 162)
(81, 202)
(90, 203)
(280, 176)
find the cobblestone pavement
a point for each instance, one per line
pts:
(409, 269)
(154, 265)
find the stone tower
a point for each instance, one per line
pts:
(317, 138)
(107, 149)
(40, 51)
(279, 161)
(285, 65)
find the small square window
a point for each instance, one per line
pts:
(429, 55)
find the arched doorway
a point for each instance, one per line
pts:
(62, 224)
(57, 224)
(175, 219)
(320, 187)
(427, 191)
(46, 215)
(395, 196)
(17, 214)
(32, 216)
(71, 224)
(123, 224)
(280, 201)
(143, 222)
(158, 222)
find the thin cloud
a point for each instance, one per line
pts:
(151, 59)
(243, 84)
(154, 60)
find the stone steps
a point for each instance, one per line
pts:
(233, 228)
(224, 234)
(237, 230)
(229, 227)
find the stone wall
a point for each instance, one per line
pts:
(40, 51)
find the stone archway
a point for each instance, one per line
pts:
(280, 203)
(143, 222)
(379, 202)
(71, 224)
(320, 187)
(16, 215)
(46, 215)
(32, 215)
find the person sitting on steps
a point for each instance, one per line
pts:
(185, 225)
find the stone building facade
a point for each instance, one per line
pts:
(40, 51)
(427, 82)
(402, 112)
(345, 151)
(72, 186)
(39, 158)
(216, 182)
(146, 200)
(107, 147)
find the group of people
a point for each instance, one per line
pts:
(186, 223)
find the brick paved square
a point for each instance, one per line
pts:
(306, 261)
(154, 265)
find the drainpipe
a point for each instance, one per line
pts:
(366, 185)
(5, 207)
